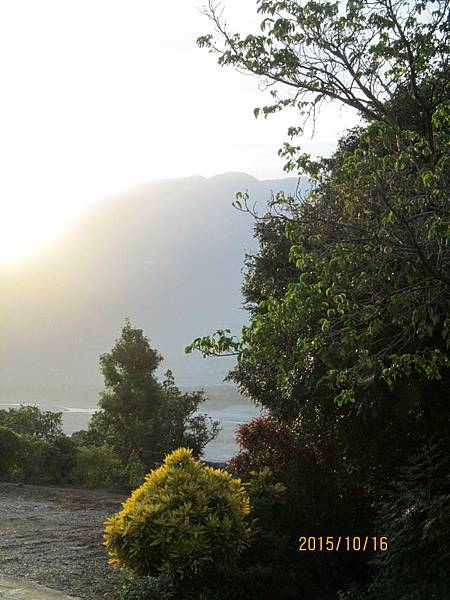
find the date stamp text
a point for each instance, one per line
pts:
(339, 543)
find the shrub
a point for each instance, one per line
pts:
(98, 466)
(9, 446)
(266, 442)
(135, 471)
(59, 460)
(44, 461)
(187, 521)
(270, 446)
(33, 448)
(147, 588)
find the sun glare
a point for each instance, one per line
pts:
(21, 234)
(92, 119)
(37, 211)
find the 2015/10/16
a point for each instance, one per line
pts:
(348, 544)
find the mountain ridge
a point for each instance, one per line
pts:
(167, 255)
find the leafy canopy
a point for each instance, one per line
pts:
(369, 300)
(360, 54)
(32, 421)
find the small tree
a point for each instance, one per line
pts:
(139, 416)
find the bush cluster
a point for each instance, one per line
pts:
(33, 447)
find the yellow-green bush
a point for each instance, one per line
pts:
(187, 521)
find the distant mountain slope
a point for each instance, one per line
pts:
(167, 254)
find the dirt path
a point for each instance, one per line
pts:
(14, 589)
(52, 536)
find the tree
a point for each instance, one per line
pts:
(181, 424)
(139, 416)
(349, 292)
(349, 298)
(346, 321)
(362, 55)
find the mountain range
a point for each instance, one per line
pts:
(166, 254)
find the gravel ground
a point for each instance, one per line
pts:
(52, 536)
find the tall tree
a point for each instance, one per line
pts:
(139, 416)
(345, 320)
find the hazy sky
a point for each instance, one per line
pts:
(100, 94)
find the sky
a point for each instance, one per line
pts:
(99, 95)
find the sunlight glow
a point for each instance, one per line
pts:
(98, 95)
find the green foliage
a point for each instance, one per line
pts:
(82, 438)
(187, 521)
(345, 320)
(349, 293)
(139, 416)
(40, 460)
(98, 466)
(32, 421)
(219, 344)
(271, 562)
(9, 446)
(270, 272)
(415, 516)
(147, 588)
(33, 448)
(363, 319)
(135, 472)
(361, 55)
